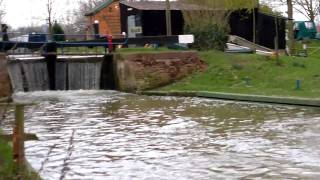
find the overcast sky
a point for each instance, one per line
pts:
(33, 12)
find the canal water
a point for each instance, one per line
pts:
(111, 135)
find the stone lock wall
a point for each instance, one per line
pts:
(136, 72)
(5, 84)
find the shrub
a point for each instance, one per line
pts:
(58, 32)
(208, 36)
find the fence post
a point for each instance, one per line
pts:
(18, 138)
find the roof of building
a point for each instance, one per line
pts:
(146, 5)
(98, 8)
(160, 5)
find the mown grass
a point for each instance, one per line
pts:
(6, 161)
(7, 166)
(254, 74)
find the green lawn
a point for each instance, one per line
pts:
(6, 161)
(254, 74)
(7, 167)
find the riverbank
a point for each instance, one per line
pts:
(238, 97)
(7, 167)
(254, 75)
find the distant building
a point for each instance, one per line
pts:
(147, 18)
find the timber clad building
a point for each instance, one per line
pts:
(147, 18)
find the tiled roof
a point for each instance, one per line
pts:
(99, 8)
(148, 5)
(160, 5)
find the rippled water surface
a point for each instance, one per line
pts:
(110, 135)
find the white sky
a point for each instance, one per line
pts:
(33, 12)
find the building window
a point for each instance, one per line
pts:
(309, 25)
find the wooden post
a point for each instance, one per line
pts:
(276, 48)
(254, 30)
(18, 138)
(168, 18)
(276, 41)
(290, 28)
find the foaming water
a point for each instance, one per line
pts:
(111, 135)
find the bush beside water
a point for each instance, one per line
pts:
(208, 36)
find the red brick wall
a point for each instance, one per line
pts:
(5, 84)
(152, 70)
(109, 19)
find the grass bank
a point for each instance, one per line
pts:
(256, 75)
(7, 166)
(6, 161)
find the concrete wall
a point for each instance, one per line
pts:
(133, 72)
(5, 84)
(151, 70)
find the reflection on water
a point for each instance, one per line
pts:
(110, 135)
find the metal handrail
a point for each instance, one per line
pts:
(99, 40)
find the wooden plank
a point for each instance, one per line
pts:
(6, 99)
(17, 104)
(27, 137)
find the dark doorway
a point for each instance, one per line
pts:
(154, 23)
(107, 81)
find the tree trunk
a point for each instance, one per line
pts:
(290, 27)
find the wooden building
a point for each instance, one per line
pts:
(147, 18)
(108, 16)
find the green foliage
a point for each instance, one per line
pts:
(208, 36)
(6, 161)
(225, 4)
(58, 32)
(240, 4)
(209, 21)
(7, 166)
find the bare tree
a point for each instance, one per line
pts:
(80, 21)
(49, 5)
(89, 4)
(2, 10)
(290, 26)
(309, 8)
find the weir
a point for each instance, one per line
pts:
(77, 72)
(28, 74)
(60, 73)
(124, 72)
